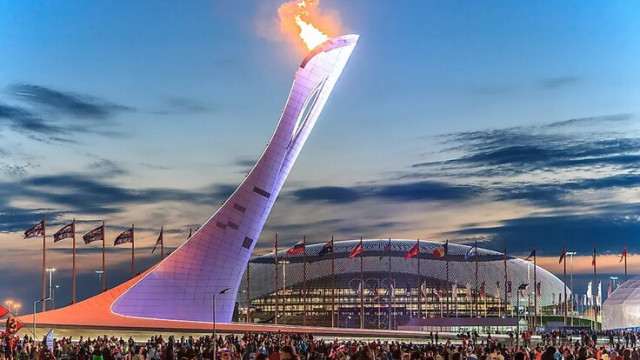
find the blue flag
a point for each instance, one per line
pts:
(473, 251)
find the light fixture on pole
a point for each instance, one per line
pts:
(614, 279)
(53, 296)
(8, 302)
(50, 271)
(215, 341)
(35, 335)
(99, 273)
(17, 307)
(571, 254)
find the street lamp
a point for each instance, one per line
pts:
(17, 306)
(53, 296)
(8, 302)
(35, 336)
(99, 273)
(573, 297)
(613, 278)
(50, 271)
(215, 341)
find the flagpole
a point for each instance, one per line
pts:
(304, 281)
(104, 273)
(595, 282)
(361, 285)
(333, 288)
(535, 287)
(476, 293)
(133, 271)
(564, 261)
(446, 255)
(44, 264)
(625, 263)
(275, 256)
(506, 281)
(391, 288)
(419, 284)
(162, 243)
(249, 290)
(73, 267)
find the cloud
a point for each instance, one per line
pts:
(559, 82)
(67, 103)
(414, 191)
(184, 105)
(23, 120)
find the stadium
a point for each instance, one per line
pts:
(392, 284)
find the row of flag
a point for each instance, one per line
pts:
(440, 252)
(97, 234)
(563, 256)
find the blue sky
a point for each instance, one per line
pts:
(505, 122)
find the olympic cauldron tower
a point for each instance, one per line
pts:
(214, 258)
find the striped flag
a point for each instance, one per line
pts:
(66, 232)
(387, 247)
(356, 250)
(415, 250)
(35, 231)
(124, 237)
(473, 251)
(94, 235)
(297, 248)
(160, 240)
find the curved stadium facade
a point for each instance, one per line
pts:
(392, 284)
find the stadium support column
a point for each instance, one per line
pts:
(535, 289)
(333, 284)
(275, 278)
(361, 286)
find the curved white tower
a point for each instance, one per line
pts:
(214, 258)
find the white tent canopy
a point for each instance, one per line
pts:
(622, 307)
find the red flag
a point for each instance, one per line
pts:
(562, 256)
(415, 250)
(3, 311)
(356, 250)
(593, 259)
(297, 248)
(609, 290)
(624, 254)
(539, 289)
(13, 325)
(441, 251)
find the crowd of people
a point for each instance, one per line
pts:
(304, 346)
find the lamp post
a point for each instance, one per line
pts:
(50, 271)
(35, 335)
(99, 273)
(571, 253)
(17, 307)
(8, 302)
(215, 341)
(614, 279)
(53, 296)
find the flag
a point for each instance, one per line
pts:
(533, 253)
(160, 240)
(66, 232)
(599, 296)
(608, 290)
(49, 339)
(523, 288)
(509, 292)
(423, 288)
(124, 237)
(13, 325)
(35, 231)
(589, 293)
(327, 248)
(415, 250)
(386, 248)
(468, 289)
(392, 289)
(3, 311)
(438, 290)
(593, 258)
(297, 248)
(562, 256)
(539, 289)
(624, 255)
(441, 251)
(359, 289)
(408, 290)
(190, 233)
(483, 290)
(454, 291)
(376, 293)
(356, 250)
(473, 251)
(94, 235)
(497, 292)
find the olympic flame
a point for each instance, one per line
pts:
(302, 18)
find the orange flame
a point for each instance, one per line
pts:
(302, 18)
